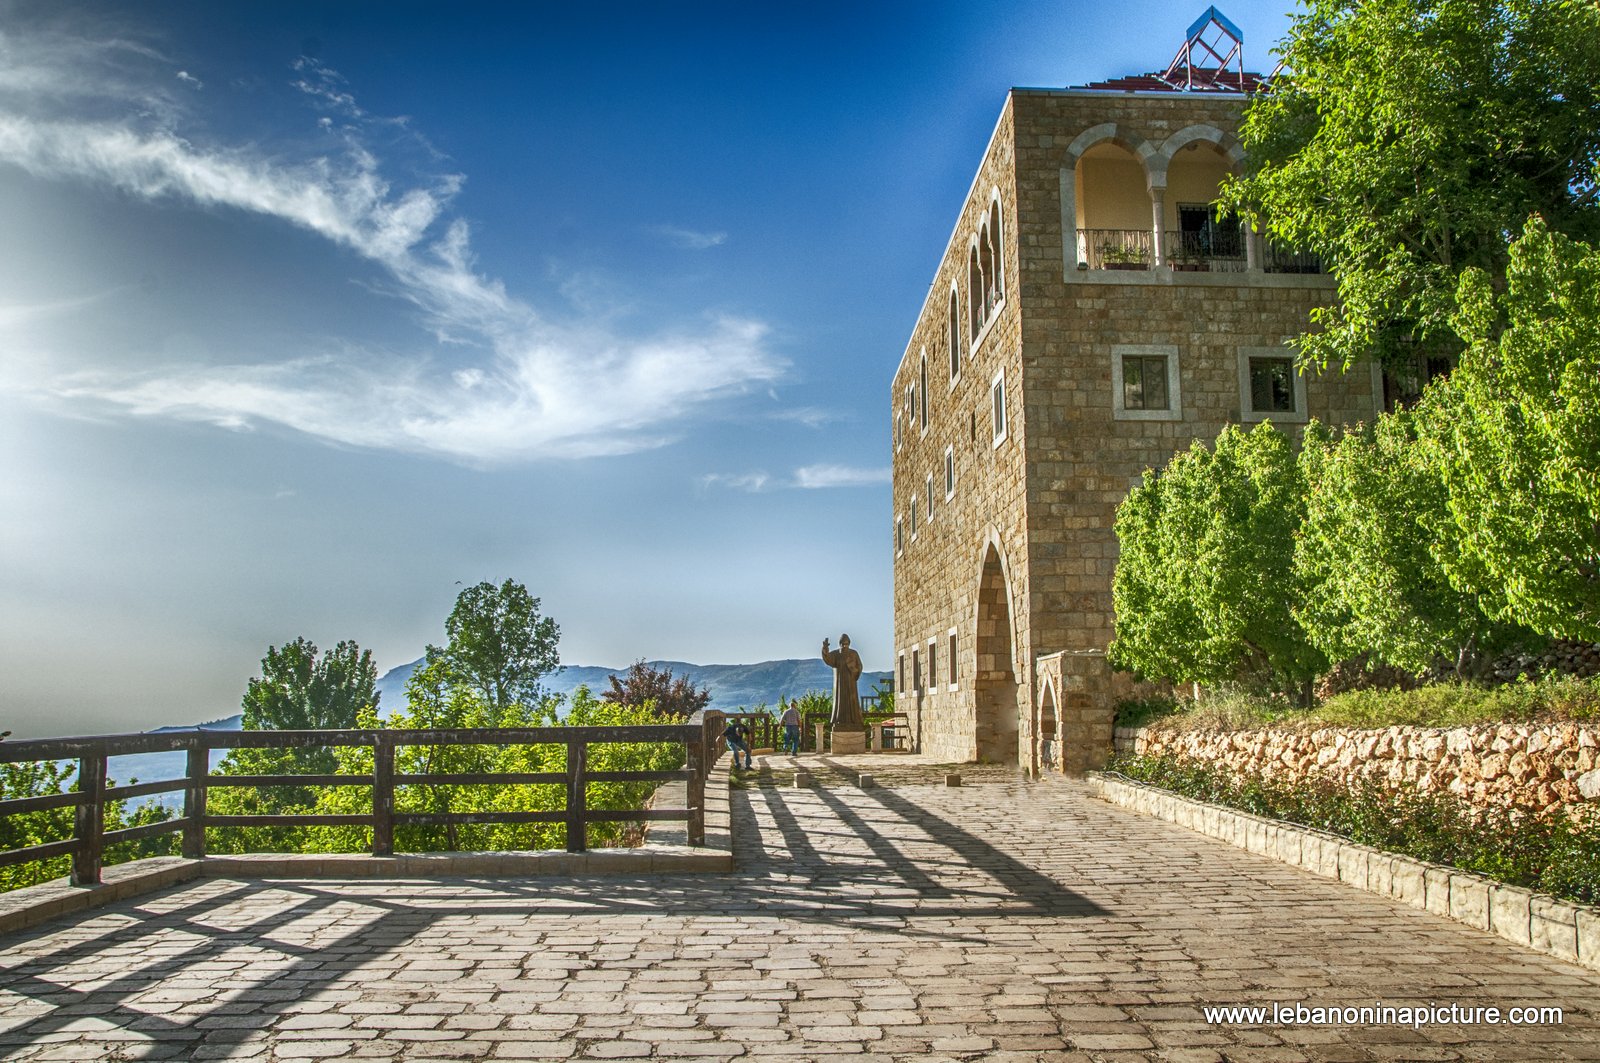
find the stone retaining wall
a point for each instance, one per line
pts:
(1521, 766)
(1560, 928)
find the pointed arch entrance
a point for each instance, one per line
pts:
(995, 682)
(1049, 751)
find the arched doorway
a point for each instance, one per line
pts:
(995, 685)
(1049, 750)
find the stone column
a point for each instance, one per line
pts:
(1158, 211)
(1084, 707)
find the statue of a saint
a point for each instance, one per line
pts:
(846, 665)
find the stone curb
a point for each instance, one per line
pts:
(662, 854)
(1558, 928)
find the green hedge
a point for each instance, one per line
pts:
(1549, 853)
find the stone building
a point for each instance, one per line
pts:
(1090, 318)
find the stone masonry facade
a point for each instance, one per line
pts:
(1526, 767)
(1003, 538)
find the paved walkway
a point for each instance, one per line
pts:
(1002, 920)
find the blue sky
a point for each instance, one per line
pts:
(310, 311)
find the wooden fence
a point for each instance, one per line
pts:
(701, 737)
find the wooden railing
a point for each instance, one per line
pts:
(701, 737)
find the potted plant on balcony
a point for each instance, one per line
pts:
(1186, 259)
(1120, 256)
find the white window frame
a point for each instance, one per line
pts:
(913, 514)
(899, 535)
(955, 672)
(949, 472)
(929, 489)
(953, 334)
(999, 427)
(1247, 413)
(922, 384)
(933, 665)
(1174, 410)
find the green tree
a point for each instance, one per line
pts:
(41, 778)
(658, 689)
(499, 645)
(298, 689)
(1368, 555)
(1516, 434)
(1205, 586)
(1407, 140)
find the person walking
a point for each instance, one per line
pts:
(738, 738)
(791, 728)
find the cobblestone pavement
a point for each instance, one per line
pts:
(999, 920)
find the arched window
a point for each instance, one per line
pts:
(974, 296)
(955, 336)
(924, 384)
(996, 246)
(985, 272)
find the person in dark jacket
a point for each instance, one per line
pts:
(738, 737)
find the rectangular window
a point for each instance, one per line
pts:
(1270, 389)
(930, 498)
(916, 672)
(899, 535)
(952, 658)
(949, 473)
(1144, 383)
(1271, 385)
(913, 509)
(900, 683)
(933, 664)
(997, 399)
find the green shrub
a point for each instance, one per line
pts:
(1550, 852)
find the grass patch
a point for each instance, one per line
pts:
(1549, 853)
(1551, 699)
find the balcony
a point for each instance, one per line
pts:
(1115, 248)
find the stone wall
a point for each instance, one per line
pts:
(1520, 766)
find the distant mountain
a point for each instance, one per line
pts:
(732, 686)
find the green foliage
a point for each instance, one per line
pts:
(297, 690)
(499, 645)
(45, 777)
(1515, 432)
(1205, 586)
(1368, 555)
(1408, 139)
(656, 688)
(435, 703)
(1550, 853)
(1435, 705)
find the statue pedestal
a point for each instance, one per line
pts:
(848, 742)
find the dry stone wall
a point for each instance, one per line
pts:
(1529, 767)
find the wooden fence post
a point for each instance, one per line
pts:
(697, 784)
(194, 800)
(577, 799)
(89, 821)
(383, 794)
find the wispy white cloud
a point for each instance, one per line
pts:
(13, 315)
(808, 477)
(190, 80)
(539, 389)
(690, 239)
(752, 482)
(810, 416)
(813, 477)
